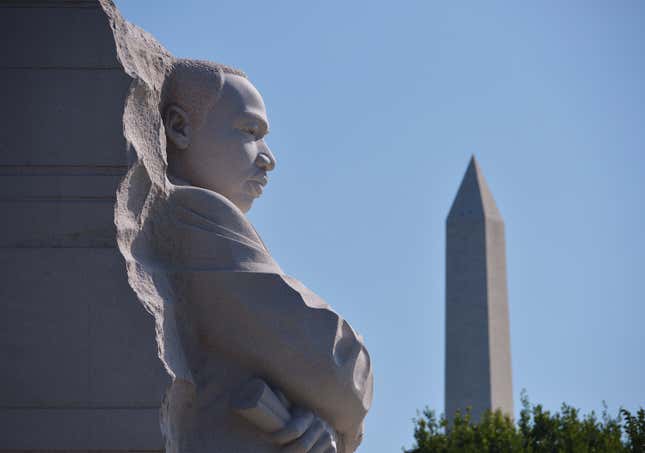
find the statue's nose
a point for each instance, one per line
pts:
(265, 159)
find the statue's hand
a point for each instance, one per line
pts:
(298, 430)
(305, 433)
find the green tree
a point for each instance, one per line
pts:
(536, 431)
(634, 426)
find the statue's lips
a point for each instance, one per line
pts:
(256, 186)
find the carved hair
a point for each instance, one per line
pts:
(195, 86)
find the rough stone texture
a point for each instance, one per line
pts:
(478, 358)
(81, 370)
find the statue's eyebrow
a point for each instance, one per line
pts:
(263, 123)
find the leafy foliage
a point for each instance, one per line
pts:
(536, 431)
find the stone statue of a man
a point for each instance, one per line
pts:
(268, 365)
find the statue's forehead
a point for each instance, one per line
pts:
(239, 94)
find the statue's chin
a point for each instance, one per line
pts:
(246, 207)
(243, 202)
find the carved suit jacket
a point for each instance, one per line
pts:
(239, 316)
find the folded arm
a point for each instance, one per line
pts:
(274, 326)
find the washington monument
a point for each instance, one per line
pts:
(478, 357)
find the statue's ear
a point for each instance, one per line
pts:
(178, 128)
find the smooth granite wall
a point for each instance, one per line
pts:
(80, 368)
(478, 358)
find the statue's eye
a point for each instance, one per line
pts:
(250, 131)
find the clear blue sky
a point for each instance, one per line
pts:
(375, 109)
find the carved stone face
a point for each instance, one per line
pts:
(227, 154)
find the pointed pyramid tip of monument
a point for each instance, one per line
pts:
(474, 198)
(474, 163)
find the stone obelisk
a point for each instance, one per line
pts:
(478, 357)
